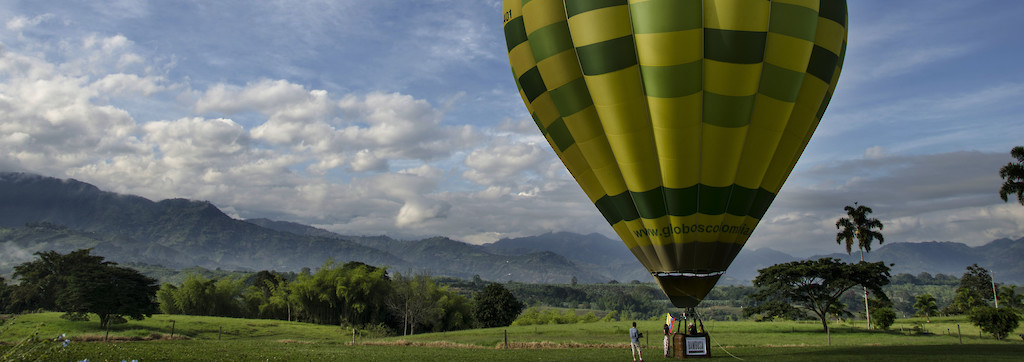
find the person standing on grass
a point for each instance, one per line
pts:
(634, 343)
(668, 332)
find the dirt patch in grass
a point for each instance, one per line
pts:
(567, 345)
(402, 342)
(500, 345)
(294, 341)
(150, 337)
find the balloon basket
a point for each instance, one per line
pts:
(690, 339)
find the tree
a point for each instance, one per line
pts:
(962, 303)
(5, 294)
(111, 292)
(925, 306)
(857, 225)
(496, 306)
(1013, 176)
(42, 280)
(457, 311)
(978, 283)
(81, 283)
(316, 296)
(414, 301)
(363, 289)
(884, 317)
(267, 297)
(812, 286)
(198, 295)
(1009, 297)
(1000, 322)
(265, 287)
(353, 293)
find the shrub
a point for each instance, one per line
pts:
(589, 317)
(529, 316)
(1000, 322)
(611, 316)
(883, 317)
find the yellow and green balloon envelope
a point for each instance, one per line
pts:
(680, 119)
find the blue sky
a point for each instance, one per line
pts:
(402, 118)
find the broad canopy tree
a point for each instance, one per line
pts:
(814, 286)
(80, 283)
(111, 292)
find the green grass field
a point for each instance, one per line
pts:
(229, 339)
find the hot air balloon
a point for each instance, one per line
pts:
(680, 119)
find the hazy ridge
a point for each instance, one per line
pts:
(43, 213)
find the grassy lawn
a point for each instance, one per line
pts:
(247, 340)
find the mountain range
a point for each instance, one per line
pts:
(42, 213)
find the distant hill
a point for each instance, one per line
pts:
(594, 252)
(443, 256)
(42, 213)
(1004, 257)
(175, 232)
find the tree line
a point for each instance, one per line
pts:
(369, 297)
(349, 294)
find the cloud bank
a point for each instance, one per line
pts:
(388, 118)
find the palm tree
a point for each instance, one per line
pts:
(857, 225)
(1013, 174)
(925, 305)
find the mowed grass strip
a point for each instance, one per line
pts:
(192, 350)
(189, 327)
(246, 340)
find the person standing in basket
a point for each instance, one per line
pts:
(634, 343)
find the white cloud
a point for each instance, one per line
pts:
(19, 23)
(197, 142)
(121, 84)
(266, 96)
(54, 123)
(502, 163)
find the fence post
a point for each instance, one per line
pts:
(353, 336)
(172, 329)
(506, 339)
(958, 334)
(219, 331)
